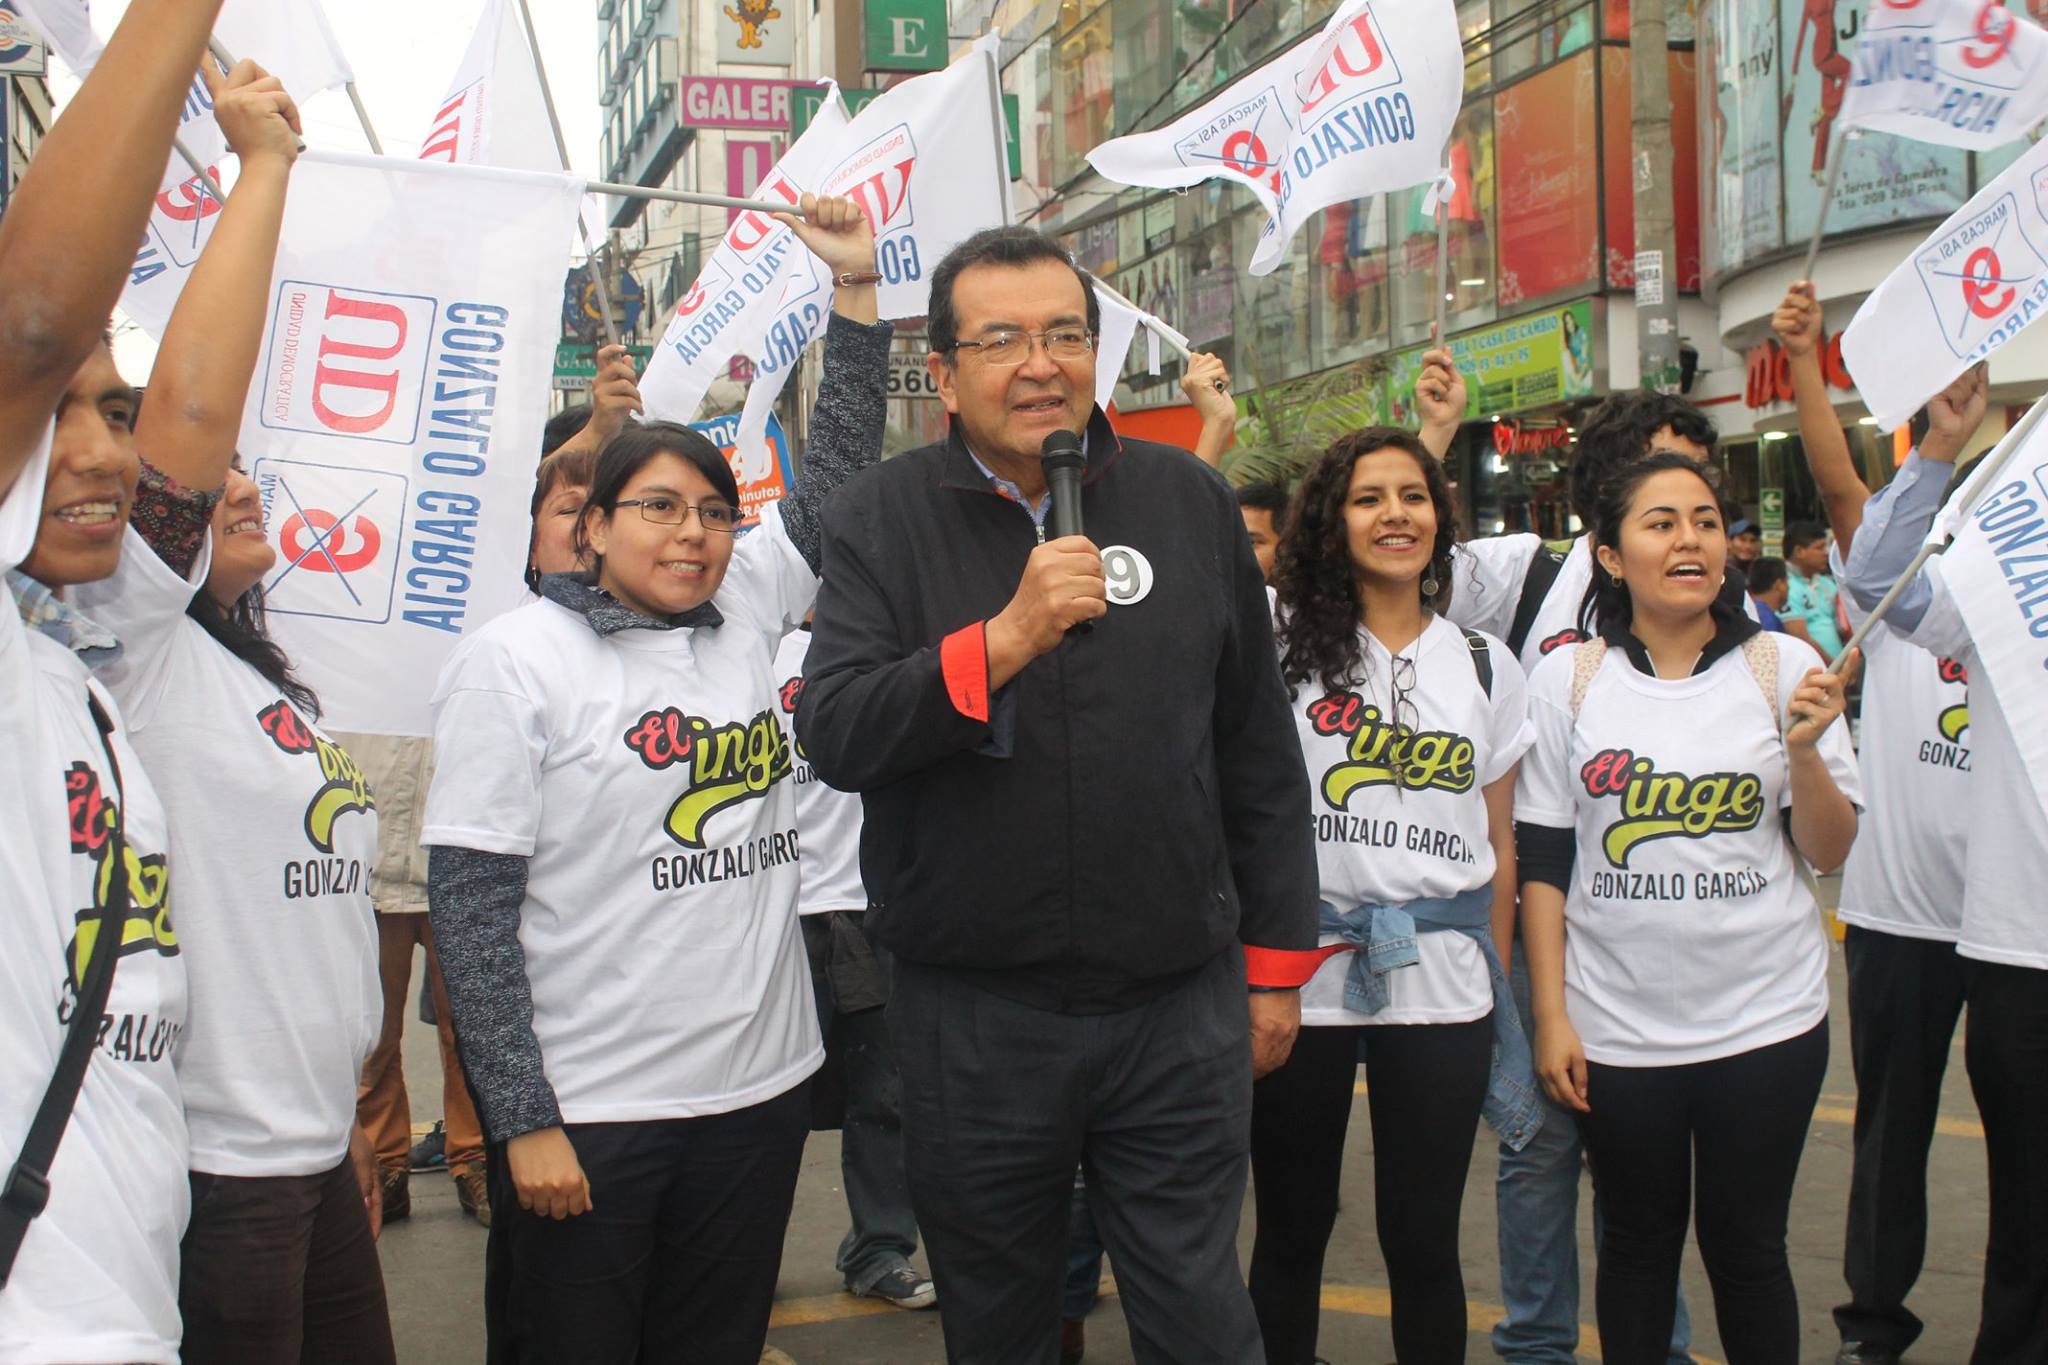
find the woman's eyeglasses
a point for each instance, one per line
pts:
(712, 516)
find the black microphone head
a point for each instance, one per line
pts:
(1062, 450)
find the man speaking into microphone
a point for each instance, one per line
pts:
(1088, 833)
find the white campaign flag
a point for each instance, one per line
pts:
(1121, 323)
(1965, 73)
(495, 112)
(1974, 285)
(1364, 108)
(926, 163)
(739, 293)
(288, 38)
(1995, 571)
(393, 426)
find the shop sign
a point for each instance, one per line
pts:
(1527, 362)
(906, 35)
(576, 365)
(1512, 438)
(1159, 224)
(909, 375)
(805, 99)
(733, 102)
(756, 32)
(1769, 377)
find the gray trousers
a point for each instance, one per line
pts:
(861, 1088)
(1001, 1101)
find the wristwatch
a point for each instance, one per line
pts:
(852, 277)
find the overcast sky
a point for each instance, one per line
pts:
(404, 53)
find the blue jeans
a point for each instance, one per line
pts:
(884, 1230)
(1537, 1194)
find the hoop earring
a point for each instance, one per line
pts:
(1617, 580)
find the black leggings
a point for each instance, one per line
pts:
(1739, 1123)
(1426, 1085)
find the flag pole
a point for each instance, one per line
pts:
(1973, 488)
(995, 95)
(717, 201)
(1443, 269)
(1827, 197)
(1145, 319)
(547, 98)
(363, 117)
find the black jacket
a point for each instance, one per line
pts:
(1136, 801)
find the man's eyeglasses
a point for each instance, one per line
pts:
(712, 516)
(1006, 350)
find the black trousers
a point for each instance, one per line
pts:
(676, 1259)
(1905, 997)
(2006, 1049)
(282, 1270)
(1001, 1101)
(1426, 1084)
(1735, 1128)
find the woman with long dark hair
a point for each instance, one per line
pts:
(274, 830)
(1683, 762)
(1411, 729)
(613, 883)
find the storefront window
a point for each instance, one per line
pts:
(1548, 139)
(1528, 36)
(1144, 57)
(1272, 310)
(1083, 97)
(1471, 280)
(1352, 287)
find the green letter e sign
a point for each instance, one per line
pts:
(906, 35)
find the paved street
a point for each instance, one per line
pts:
(433, 1262)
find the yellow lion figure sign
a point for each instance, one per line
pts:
(752, 16)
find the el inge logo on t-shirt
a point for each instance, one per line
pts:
(345, 789)
(732, 763)
(94, 821)
(1658, 805)
(1384, 754)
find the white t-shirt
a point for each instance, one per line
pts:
(1379, 846)
(644, 776)
(2005, 868)
(1905, 873)
(827, 820)
(1487, 577)
(1689, 935)
(274, 839)
(97, 1276)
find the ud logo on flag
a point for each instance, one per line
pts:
(1985, 279)
(1247, 139)
(347, 362)
(878, 177)
(337, 532)
(1360, 51)
(458, 128)
(753, 228)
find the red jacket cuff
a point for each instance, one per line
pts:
(963, 660)
(1286, 968)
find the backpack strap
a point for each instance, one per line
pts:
(1482, 660)
(1760, 653)
(1587, 656)
(26, 1191)
(1536, 585)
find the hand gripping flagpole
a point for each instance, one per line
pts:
(547, 97)
(1980, 478)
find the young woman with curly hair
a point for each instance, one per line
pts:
(1412, 729)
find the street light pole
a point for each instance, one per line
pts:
(1652, 157)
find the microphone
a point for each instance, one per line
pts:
(1064, 464)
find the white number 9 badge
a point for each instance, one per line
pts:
(1127, 575)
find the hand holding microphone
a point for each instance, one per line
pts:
(1063, 586)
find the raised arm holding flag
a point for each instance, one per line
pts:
(1364, 108)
